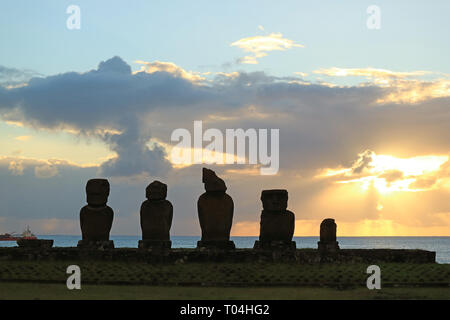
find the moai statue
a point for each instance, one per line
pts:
(96, 218)
(328, 241)
(215, 212)
(156, 217)
(277, 223)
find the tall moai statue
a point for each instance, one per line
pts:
(277, 223)
(215, 212)
(96, 217)
(156, 217)
(328, 241)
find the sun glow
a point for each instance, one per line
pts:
(387, 173)
(409, 166)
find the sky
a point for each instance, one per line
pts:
(362, 112)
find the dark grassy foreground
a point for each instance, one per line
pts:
(34, 291)
(121, 280)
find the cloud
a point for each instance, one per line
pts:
(23, 138)
(364, 161)
(13, 78)
(369, 73)
(114, 65)
(28, 196)
(127, 110)
(406, 87)
(301, 74)
(16, 167)
(259, 46)
(106, 103)
(413, 91)
(45, 171)
(173, 69)
(133, 156)
(342, 131)
(390, 174)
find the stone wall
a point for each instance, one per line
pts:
(181, 255)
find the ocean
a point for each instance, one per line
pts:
(439, 244)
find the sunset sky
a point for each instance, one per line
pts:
(363, 114)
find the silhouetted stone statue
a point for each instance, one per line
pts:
(156, 217)
(277, 223)
(328, 241)
(215, 212)
(96, 218)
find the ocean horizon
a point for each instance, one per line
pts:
(441, 245)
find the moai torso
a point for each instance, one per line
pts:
(215, 212)
(328, 231)
(328, 244)
(96, 218)
(277, 226)
(215, 209)
(156, 213)
(277, 223)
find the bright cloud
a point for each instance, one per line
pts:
(405, 87)
(16, 167)
(172, 68)
(301, 74)
(23, 138)
(413, 91)
(259, 46)
(368, 73)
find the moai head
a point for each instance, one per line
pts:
(97, 192)
(212, 181)
(328, 230)
(156, 191)
(274, 200)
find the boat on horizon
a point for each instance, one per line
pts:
(26, 235)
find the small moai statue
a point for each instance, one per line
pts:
(96, 217)
(328, 243)
(277, 223)
(156, 217)
(215, 212)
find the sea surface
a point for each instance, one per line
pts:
(441, 245)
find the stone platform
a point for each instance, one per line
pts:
(95, 245)
(275, 245)
(216, 245)
(35, 243)
(182, 255)
(154, 244)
